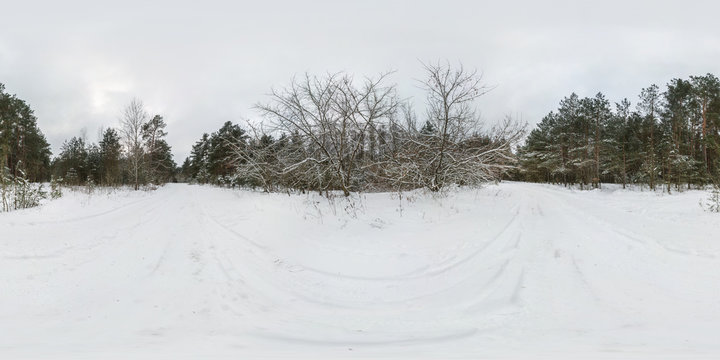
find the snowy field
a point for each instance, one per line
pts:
(509, 271)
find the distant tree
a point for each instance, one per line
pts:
(677, 132)
(94, 165)
(453, 147)
(213, 157)
(199, 162)
(132, 120)
(222, 145)
(598, 111)
(649, 107)
(23, 146)
(159, 164)
(706, 91)
(619, 138)
(331, 114)
(72, 162)
(185, 174)
(450, 94)
(111, 157)
(257, 162)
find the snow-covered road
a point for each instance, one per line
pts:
(509, 271)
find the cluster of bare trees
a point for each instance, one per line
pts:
(335, 132)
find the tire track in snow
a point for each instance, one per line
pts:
(429, 270)
(123, 207)
(307, 288)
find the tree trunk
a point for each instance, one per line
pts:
(624, 167)
(704, 137)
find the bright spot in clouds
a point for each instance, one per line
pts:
(200, 64)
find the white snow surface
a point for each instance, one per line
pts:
(507, 271)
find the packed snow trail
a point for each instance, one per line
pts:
(509, 271)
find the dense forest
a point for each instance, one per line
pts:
(670, 138)
(333, 132)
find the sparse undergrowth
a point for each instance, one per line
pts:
(712, 203)
(17, 192)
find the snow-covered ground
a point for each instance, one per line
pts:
(509, 271)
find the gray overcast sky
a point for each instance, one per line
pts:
(202, 63)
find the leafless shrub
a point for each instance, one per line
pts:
(336, 135)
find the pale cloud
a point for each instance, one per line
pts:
(203, 63)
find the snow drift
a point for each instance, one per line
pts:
(515, 270)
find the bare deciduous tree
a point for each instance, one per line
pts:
(450, 94)
(257, 160)
(332, 117)
(339, 136)
(452, 147)
(132, 120)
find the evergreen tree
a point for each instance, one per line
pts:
(675, 125)
(23, 147)
(159, 164)
(199, 162)
(221, 149)
(212, 158)
(94, 165)
(71, 164)
(649, 108)
(706, 93)
(111, 158)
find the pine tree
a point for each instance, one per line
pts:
(93, 164)
(199, 164)
(222, 144)
(706, 91)
(71, 164)
(23, 146)
(111, 157)
(675, 123)
(159, 164)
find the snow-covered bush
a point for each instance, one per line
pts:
(27, 194)
(90, 185)
(71, 177)
(55, 188)
(712, 203)
(16, 192)
(6, 185)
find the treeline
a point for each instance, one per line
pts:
(135, 154)
(336, 133)
(669, 138)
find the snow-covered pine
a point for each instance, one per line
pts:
(712, 203)
(17, 192)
